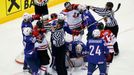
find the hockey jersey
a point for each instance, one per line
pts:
(88, 19)
(26, 24)
(96, 51)
(29, 45)
(73, 17)
(65, 26)
(41, 46)
(109, 38)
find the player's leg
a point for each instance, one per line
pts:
(33, 65)
(33, 62)
(91, 68)
(44, 10)
(60, 60)
(109, 61)
(44, 61)
(25, 66)
(114, 30)
(102, 68)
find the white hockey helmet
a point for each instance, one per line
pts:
(81, 7)
(45, 17)
(78, 48)
(61, 16)
(27, 31)
(27, 16)
(96, 33)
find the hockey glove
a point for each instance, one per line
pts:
(75, 32)
(36, 17)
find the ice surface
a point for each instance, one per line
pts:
(11, 40)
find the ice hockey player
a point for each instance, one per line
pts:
(73, 17)
(42, 51)
(39, 29)
(97, 53)
(41, 7)
(29, 52)
(109, 39)
(27, 20)
(74, 54)
(88, 20)
(26, 23)
(110, 21)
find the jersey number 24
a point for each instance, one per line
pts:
(95, 50)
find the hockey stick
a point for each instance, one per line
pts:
(118, 7)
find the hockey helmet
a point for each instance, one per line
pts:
(27, 16)
(39, 24)
(96, 33)
(78, 48)
(109, 5)
(67, 4)
(53, 15)
(81, 7)
(61, 22)
(100, 26)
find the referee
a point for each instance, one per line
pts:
(110, 21)
(58, 41)
(41, 7)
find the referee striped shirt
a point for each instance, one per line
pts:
(110, 20)
(58, 37)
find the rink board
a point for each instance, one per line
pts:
(12, 9)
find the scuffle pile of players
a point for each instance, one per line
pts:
(73, 19)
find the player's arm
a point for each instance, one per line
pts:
(100, 11)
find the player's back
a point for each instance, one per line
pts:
(97, 51)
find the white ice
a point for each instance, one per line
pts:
(11, 40)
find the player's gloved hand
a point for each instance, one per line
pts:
(36, 17)
(75, 32)
(34, 40)
(85, 52)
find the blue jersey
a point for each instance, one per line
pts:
(26, 24)
(65, 26)
(29, 44)
(71, 46)
(97, 51)
(89, 19)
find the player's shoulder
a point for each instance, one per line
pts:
(98, 40)
(65, 10)
(75, 6)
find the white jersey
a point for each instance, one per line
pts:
(73, 18)
(41, 46)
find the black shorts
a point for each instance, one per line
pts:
(43, 57)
